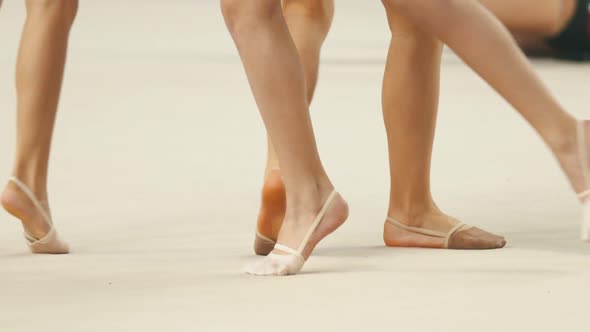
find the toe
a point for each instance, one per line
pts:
(271, 265)
(475, 238)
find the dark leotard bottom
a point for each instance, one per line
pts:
(573, 43)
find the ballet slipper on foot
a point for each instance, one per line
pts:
(458, 236)
(50, 243)
(285, 260)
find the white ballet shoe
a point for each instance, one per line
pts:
(293, 260)
(51, 242)
(584, 196)
(276, 264)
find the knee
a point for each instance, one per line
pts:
(321, 12)
(407, 35)
(245, 15)
(396, 5)
(62, 11)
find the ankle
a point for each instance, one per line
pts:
(37, 184)
(271, 166)
(272, 175)
(308, 198)
(411, 211)
(562, 138)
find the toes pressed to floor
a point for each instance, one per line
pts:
(475, 238)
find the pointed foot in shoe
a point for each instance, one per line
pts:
(52, 244)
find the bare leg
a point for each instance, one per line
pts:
(485, 45)
(39, 73)
(544, 19)
(276, 77)
(410, 103)
(309, 22)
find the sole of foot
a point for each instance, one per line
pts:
(272, 213)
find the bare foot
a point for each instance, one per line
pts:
(466, 237)
(284, 260)
(272, 213)
(16, 202)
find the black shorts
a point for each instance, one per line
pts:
(574, 42)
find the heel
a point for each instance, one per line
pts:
(51, 243)
(395, 236)
(263, 245)
(421, 237)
